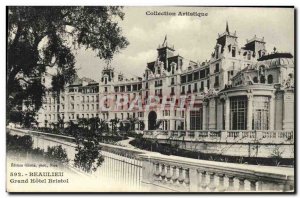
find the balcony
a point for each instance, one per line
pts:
(235, 136)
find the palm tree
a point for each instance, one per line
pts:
(114, 123)
(132, 122)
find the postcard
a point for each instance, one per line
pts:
(150, 99)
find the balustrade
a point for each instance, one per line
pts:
(136, 169)
(235, 136)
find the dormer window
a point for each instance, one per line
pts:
(158, 70)
(233, 51)
(249, 56)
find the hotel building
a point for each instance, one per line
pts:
(238, 88)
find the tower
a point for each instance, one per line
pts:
(164, 52)
(107, 74)
(257, 45)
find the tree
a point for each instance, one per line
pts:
(88, 156)
(114, 123)
(132, 122)
(40, 38)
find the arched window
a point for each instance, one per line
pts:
(255, 80)
(262, 79)
(270, 79)
(262, 70)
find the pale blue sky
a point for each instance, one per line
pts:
(193, 37)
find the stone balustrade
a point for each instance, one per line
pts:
(140, 170)
(231, 136)
(172, 173)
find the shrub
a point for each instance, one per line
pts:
(57, 154)
(19, 143)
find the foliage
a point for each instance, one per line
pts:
(57, 154)
(276, 155)
(88, 156)
(87, 138)
(40, 38)
(18, 143)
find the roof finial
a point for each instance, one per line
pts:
(227, 28)
(165, 40)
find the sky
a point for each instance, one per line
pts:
(193, 37)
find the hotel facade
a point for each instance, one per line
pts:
(238, 88)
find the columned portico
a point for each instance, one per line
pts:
(204, 126)
(272, 113)
(212, 114)
(249, 111)
(227, 113)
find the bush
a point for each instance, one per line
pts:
(57, 154)
(18, 143)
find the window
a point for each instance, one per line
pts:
(172, 81)
(189, 88)
(183, 90)
(260, 113)
(270, 79)
(195, 87)
(158, 70)
(202, 86)
(202, 74)
(128, 87)
(183, 79)
(249, 56)
(190, 77)
(238, 113)
(196, 120)
(105, 89)
(172, 91)
(255, 80)
(217, 68)
(262, 79)
(216, 81)
(233, 52)
(196, 75)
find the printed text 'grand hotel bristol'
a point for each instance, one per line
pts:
(239, 88)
